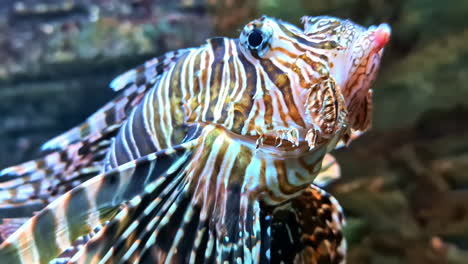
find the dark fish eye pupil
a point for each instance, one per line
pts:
(255, 38)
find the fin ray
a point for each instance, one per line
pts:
(103, 192)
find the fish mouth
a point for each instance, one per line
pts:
(280, 144)
(277, 147)
(381, 35)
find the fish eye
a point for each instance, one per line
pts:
(255, 39)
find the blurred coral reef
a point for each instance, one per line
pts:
(404, 185)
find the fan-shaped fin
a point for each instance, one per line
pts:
(170, 229)
(125, 234)
(186, 204)
(76, 213)
(42, 180)
(215, 214)
(201, 215)
(77, 245)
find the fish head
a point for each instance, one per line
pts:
(354, 62)
(329, 66)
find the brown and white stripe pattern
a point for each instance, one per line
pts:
(206, 152)
(87, 206)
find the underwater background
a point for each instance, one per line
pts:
(404, 184)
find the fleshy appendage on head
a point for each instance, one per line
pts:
(354, 66)
(329, 67)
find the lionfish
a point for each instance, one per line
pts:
(209, 154)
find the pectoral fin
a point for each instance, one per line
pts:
(78, 212)
(201, 216)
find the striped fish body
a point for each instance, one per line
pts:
(209, 155)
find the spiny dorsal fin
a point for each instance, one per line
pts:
(146, 72)
(134, 83)
(106, 120)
